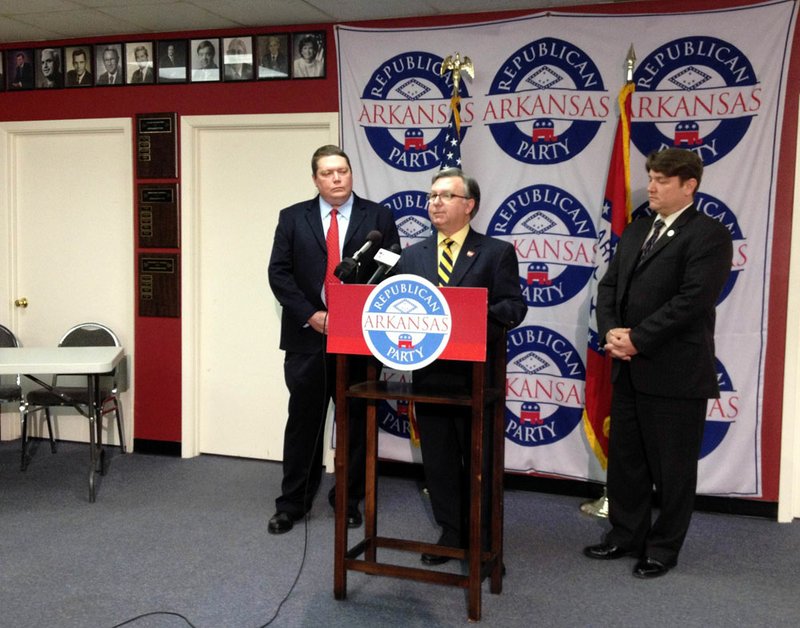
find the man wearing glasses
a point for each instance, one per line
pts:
(457, 255)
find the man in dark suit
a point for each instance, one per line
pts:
(274, 60)
(23, 73)
(113, 73)
(50, 75)
(457, 255)
(144, 73)
(301, 265)
(79, 75)
(656, 311)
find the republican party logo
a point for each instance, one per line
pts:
(721, 413)
(405, 110)
(410, 209)
(546, 102)
(716, 209)
(544, 386)
(553, 236)
(406, 322)
(699, 93)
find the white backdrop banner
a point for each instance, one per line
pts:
(538, 122)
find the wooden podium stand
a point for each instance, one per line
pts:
(468, 308)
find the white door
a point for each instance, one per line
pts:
(238, 172)
(69, 207)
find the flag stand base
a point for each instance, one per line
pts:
(597, 507)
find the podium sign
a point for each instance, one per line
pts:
(468, 308)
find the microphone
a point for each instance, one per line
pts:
(348, 264)
(386, 261)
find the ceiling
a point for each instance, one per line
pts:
(43, 20)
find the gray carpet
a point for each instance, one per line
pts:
(189, 537)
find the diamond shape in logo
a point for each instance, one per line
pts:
(690, 78)
(530, 363)
(412, 227)
(413, 89)
(406, 306)
(544, 77)
(538, 222)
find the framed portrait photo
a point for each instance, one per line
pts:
(108, 67)
(272, 56)
(237, 60)
(78, 62)
(139, 63)
(19, 69)
(308, 55)
(49, 68)
(205, 60)
(172, 61)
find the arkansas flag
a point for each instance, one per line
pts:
(616, 215)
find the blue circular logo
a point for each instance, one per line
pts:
(554, 238)
(546, 102)
(410, 209)
(544, 386)
(721, 413)
(699, 93)
(406, 322)
(405, 110)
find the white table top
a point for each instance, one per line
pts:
(66, 360)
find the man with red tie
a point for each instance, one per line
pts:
(311, 238)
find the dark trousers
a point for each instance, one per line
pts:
(311, 380)
(653, 441)
(445, 442)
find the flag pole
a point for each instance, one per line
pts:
(599, 507)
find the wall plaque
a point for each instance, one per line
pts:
(159, 284)
(159, 218)
(156, 146)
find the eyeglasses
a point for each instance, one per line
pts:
(445, 196)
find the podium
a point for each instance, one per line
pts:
(486, 401)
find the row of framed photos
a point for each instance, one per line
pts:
(240, 58)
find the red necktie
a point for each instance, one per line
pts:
(332, 242)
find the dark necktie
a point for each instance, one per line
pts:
(658, 224)
(334, 257)
(446, 262)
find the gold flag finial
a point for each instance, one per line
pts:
(456, 65)
(630, 60)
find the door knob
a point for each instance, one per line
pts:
(23, 302)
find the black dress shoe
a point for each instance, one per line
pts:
(434, 559)
(605, 551)
(445, 540)
(354, 519)
(651, 568)
(280, 523)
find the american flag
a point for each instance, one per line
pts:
(451, 147)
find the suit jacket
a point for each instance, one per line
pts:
(668, 301)
(23, 76)
(105, 78)
(72, 78)
(299, 258)
(140, 76)
(483, 262)
(281, 63)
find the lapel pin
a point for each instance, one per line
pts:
(671, 232)
(470, 253)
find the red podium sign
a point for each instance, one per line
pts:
(468, 309)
